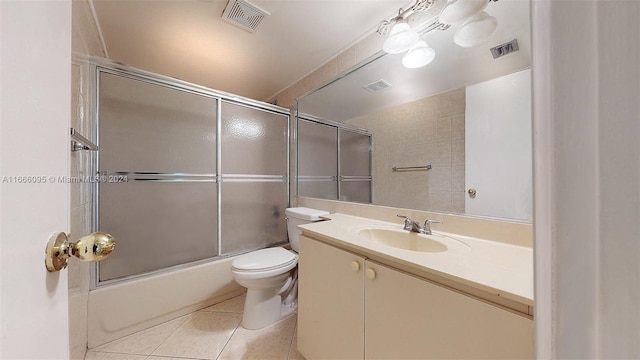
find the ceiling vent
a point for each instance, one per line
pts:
(376, 86)
(505, 49)
(244, 14)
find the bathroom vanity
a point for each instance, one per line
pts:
(370, 290)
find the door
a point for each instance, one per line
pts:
(163, 139)
(498, 114)
(35, 112)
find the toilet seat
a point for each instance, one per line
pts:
(264, 263)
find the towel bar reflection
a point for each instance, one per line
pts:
(79, 142)
(411, 168)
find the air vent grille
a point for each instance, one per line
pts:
(505, 49)
(376, 86)
(244, 14)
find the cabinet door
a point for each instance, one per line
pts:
(410, 318)
(330, 302)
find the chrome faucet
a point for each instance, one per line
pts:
(410, 225)
(426, 229)
(413, 226)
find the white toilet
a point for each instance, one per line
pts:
(270, 275)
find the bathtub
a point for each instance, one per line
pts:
(122, 309)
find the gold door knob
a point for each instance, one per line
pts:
(472, 192)
(93, 247)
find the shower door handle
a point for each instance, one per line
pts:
(92, 247)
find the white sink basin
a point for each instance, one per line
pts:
(402, 239)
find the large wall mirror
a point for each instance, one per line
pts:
(453, 136)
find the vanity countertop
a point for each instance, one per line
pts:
(495, 271)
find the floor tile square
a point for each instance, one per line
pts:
(203, 335)
(271, 342)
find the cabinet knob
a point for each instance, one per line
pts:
(371, 274)
(355, 266)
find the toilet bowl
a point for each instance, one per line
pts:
(270, 275)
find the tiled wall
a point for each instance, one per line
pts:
(428, 131)
(85, 41)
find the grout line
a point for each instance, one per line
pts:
(219, 311)
(187, 317)
(177, 357)
(295, 329)
(113, 352)
(229, 339)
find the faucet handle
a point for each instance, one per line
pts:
(426, 229)
(408, 223)
(429, 221)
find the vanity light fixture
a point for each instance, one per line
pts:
(457, 11)
(401, 38)
(475, 30)
(476, 27)
(419, 55)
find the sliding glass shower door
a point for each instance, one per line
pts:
(317, 160)
(158, 157)
(334, 162)
(355, 166)
(185, 175)
(253, 177)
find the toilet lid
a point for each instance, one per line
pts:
(265, 259)
(304, 213)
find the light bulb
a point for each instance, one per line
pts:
(458, 11)
(419, 55)
(401, 38)
(476, 30)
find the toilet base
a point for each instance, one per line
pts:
(263, 308)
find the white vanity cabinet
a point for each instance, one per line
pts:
(330, 302)
(373, 311)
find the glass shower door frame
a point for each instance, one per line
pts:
(355, 178)
(99, 66)
(338, 175)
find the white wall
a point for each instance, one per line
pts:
(35, 86)
(587, 175)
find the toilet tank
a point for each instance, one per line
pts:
(299, 216)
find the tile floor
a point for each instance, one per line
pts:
(211, 333)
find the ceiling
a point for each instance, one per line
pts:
(453, 67)
(188, 40)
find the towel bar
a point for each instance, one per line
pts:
(411, 168)
(79, 142)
